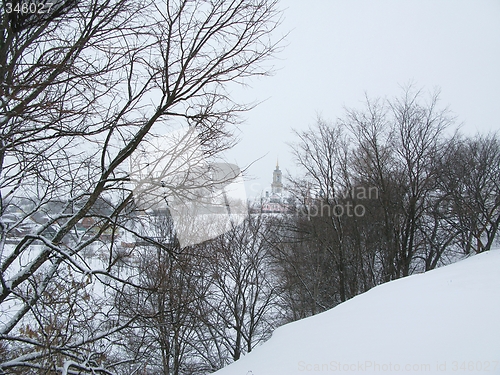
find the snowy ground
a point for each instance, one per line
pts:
(446, 321)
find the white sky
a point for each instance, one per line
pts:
(339, 49)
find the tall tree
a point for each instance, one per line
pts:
(374, 209)
(471, 176)
(243, 296)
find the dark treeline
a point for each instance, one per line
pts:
(387, 191)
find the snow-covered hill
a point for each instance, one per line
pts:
(446, 321)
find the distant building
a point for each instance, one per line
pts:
(278, 201)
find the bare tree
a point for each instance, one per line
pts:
(398, 148)
(167, 295)
(420, 130)
(332, 227)
(243, 297)
(320, 154)
(375, 210)
(375, 164)
(471, 176)
(81, 86)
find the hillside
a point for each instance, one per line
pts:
(446, 321)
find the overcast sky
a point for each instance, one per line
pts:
(339, 49)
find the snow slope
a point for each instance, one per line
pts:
(446, 321)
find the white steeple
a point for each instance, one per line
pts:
(277, 185)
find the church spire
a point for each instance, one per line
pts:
(277, 185)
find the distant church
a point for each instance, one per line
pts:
(277, 201)
(277, 185)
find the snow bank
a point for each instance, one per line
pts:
(446, 321)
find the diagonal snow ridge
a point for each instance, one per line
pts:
(445, 321)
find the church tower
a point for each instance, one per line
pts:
(277, 185)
